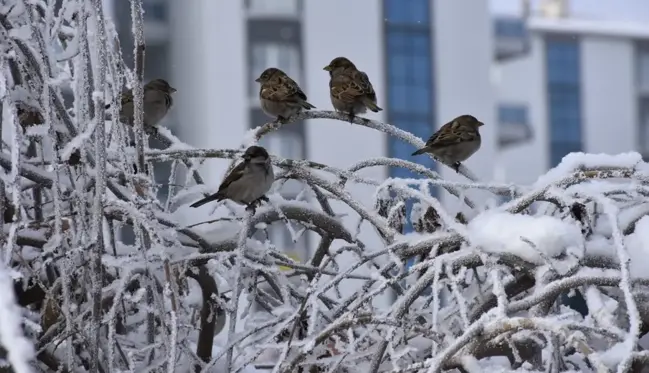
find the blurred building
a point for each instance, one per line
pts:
(546, 84)
(585, 86)
(426, 67)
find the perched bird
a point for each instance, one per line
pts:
(248, 182)
(280, 95)
(157, 102)
(455, 142)
(350, 89)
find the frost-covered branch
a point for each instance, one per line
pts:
(492, 280)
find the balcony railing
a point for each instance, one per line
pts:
(511, 38)
(513, 125)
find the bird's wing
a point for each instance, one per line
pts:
(234, 175)
(344, 89)
(451, 133)
(363, 81)
(282, 89)
(349, 86)
(293, 88)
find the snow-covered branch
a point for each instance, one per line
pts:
(552, 280)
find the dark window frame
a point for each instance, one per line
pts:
(275, 29)
(563, 94)
(400, 37)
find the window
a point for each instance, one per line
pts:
(512, 114)
(644, 126)
(275, 7)
(410, 85)
(285, 57)
(563, 61)
(564, 97)
(643, 68)
(155, 10)
(510, 28)
(407, 12)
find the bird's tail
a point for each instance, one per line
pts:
(420, 151)
(371, 105)
(307, 105)
(208, 199)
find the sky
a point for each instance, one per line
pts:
(618, 10)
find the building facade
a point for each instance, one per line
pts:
(585, 84)
(425, 67)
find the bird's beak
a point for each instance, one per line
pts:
(480, 124)
(258, 80)
(173, 89)
(327, 68)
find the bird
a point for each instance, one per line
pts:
(350, 90)
(157, 102)
(280, 96)
(248, 182)
(455, 141)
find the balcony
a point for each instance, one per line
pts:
(279, 9)
(513, 125)
(511, 38)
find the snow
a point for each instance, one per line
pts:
(19, 349)
(608, 28)
(496, 276)
(531, 238)
(578, 161)
(637, 246)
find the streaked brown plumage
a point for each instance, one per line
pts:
(455, 142)
(157, 102)
(280, 96)
(350, 89)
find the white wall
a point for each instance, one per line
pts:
(208, 42)
(336, 143)
(523, 80)
(609, 95)
(463, 58)
(609, 103)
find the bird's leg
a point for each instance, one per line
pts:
(151, 131)
(258, 201)
(251, 207)
(456, 166)
(351, 117)
(281, 119)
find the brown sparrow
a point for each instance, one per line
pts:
(157, 102)
(455, 142)
(280, 95)
(350, 89)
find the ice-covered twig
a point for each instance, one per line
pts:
(234, 306)
(257, 133)
(100, 175)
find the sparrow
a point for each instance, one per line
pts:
(157, 102)
(455, 142)
(248, 182)
(280, 95)
(350, 89)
